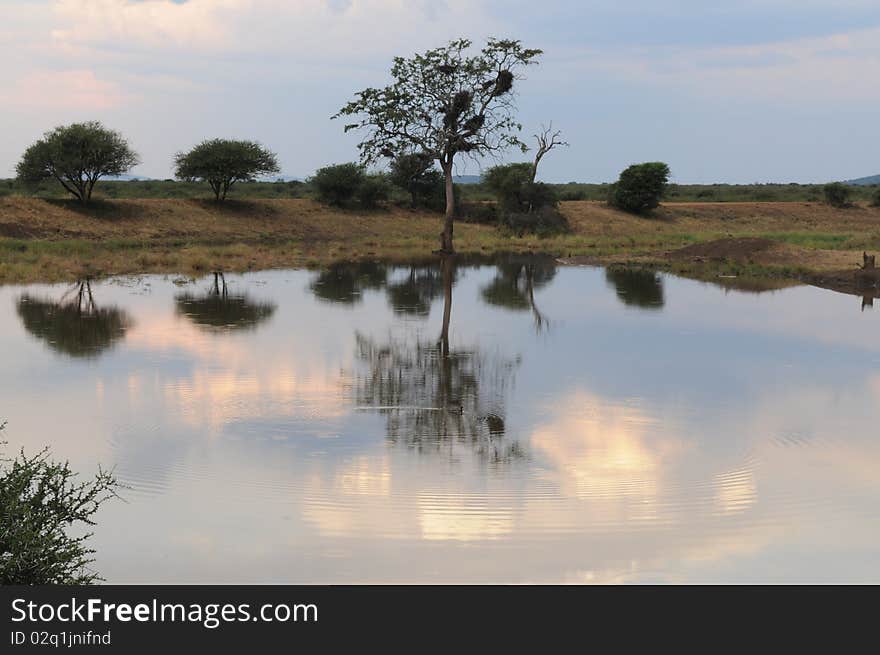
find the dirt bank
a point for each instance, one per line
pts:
(44, 240)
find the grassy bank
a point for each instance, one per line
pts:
(56, 240)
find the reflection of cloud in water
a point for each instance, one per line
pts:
(466, 517)
(602, 451)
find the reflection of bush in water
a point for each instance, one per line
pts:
(345, 281)
(220, 311)
(515, 282)
(72, 329)
(636, 287)
(414, 293)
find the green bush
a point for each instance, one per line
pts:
(415, 174)
(478, 212)
(545, 221)
(512, 186)
(640, 188)
(40, 500)
(875, 198)
(837, 194)
(373, 190)
(338, 184)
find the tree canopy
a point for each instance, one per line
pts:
(223, 162)
(77, 156)
(442, 103)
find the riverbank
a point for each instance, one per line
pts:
(51, 241)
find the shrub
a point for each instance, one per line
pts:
(40, 499)
(514, 190)
(875, 198)
(509, 183)
(373, 190)
(338, 185)
(640, 187)
(478, 212)
(545, 221)
(415, 174)
(837, 194)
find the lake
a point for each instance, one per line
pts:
(499, 421)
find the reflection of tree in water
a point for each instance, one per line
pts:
(435, 397)
(74, 325)
(344, 282)
(415, 292)
(515, 282)
(219, 310)
(636, 287)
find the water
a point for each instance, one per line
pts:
(569, 425)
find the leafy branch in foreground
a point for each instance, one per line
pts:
(39, 501)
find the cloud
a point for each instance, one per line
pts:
(72, 89)
(790, 71)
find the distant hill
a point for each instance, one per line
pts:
(467, 179)
(865, 181)
(127, 178)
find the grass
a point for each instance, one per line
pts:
(55, 240)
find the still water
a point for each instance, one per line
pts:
(511, 421)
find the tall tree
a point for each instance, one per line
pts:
(221, 163)
(442, 103)
(77, 156)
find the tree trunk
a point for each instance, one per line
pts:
(446, 245)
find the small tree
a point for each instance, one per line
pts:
(221, 163)
(442, 103)
(415, 174)
(338, 184)
(40, 500)
(837, 194)
(77, 156)
(640, 187)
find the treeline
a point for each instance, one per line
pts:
(568, 191)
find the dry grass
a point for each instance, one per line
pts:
(44, 240)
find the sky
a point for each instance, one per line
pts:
(736, 92)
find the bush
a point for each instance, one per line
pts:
(523, 205)
(373, 190)
(40, 499)
(640, 187)
(512, 186)
(545, 221)
(415, 174)
(339, 184)
(478, 212)
(875, 198)
(837, 194)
